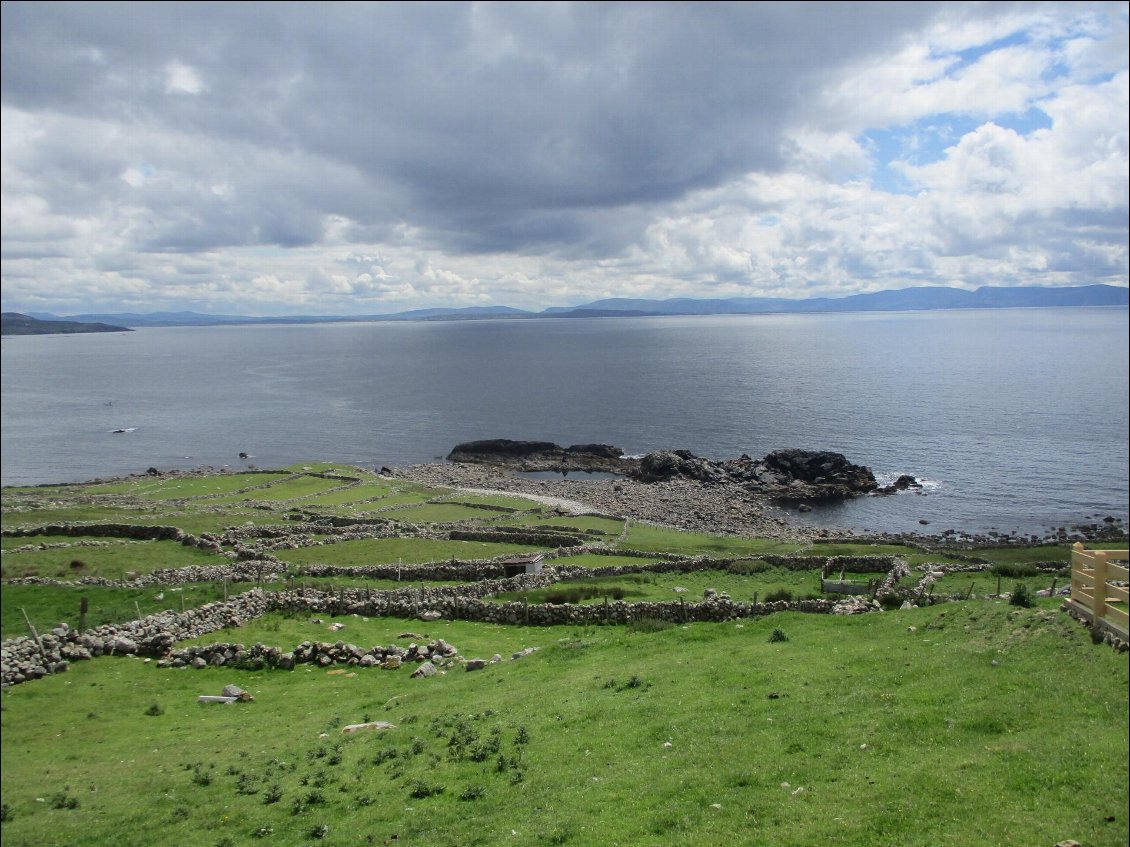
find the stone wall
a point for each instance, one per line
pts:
(24, 658)
(136, 532)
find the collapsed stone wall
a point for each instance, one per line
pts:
(254, 570)
(25, 658)
(461, 607)
(323, 654)
(135, 532)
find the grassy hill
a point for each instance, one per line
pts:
(13, 323)
(969, 721)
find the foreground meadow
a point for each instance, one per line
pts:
(968, 722)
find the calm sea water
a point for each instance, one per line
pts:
(1016, 419)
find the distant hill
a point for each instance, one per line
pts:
(900, 300)
(13, 323)
(924, 298)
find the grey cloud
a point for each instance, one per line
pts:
(489, 127)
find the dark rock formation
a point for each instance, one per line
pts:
(903, 483)
(785, 475)
(542, 456)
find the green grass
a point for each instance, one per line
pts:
(652, 587)
(398, 498)
(345, 496)
(963, 723)
(390, 551)
(845, 549)
(167, 488)
(662, 539)
(48, 606)
(112, 562)
(83, 513)
(609, 527)
(329, 583)
(515, 503)
(592, 560)
(987, 725)
(10, 542)
(297, 488)
(986, 583)
(440, 513)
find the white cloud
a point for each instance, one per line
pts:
(182, 79)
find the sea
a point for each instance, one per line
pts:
(1015, 420)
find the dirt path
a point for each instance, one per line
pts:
(573, 507)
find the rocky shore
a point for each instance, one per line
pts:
(679, 502)
(712, 498)
(786, 476)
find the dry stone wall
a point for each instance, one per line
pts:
(26, 658)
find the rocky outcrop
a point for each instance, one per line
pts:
(542, 456)
(783, 475)
(903, 483)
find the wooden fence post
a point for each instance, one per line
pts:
(1099, 607)
(1076, 570)
(83, 605)
(38, 640)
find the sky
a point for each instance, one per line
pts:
(353, 159)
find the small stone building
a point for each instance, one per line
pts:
(524, 564)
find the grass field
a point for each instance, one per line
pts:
(963, 723)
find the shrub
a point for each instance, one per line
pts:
(63, 800)
(777, 635)
(748, 566)
(419, 789)
(155, 710)
(646, 625)
(1015, 570)
(384, 755)
(1021, 596)
(472, 792)
(781, 594)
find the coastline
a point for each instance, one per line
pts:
(727, 509)
(681, 503)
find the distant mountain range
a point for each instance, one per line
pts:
(900, 300)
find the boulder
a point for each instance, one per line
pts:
(425, 670)
(238, 693)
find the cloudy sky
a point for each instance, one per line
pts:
(313, 158)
